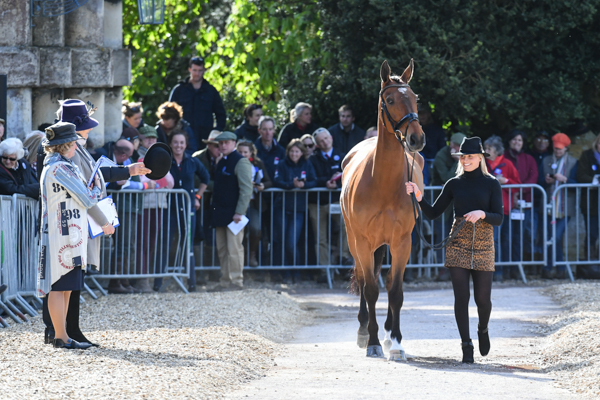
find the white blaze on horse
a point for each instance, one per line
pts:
(378, 212)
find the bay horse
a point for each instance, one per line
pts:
(378, 212)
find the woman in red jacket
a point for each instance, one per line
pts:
(507, 174)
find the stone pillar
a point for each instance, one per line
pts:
(18, 110)
(113, 24)
(113, 123)
(96, 97)
(49, 31)
(84, 27)
(15, 24)
(45, 105)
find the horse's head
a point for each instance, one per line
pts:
(399, 107)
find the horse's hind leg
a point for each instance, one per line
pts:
(393, 336)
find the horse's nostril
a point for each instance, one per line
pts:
(412, 140)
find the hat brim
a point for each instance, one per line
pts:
(206, 141)
(464, 154)
(56, 142)
(90, 123)
(157, 174)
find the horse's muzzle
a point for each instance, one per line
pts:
(415, 142)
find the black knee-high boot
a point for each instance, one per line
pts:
(73, 329)
(49, 331)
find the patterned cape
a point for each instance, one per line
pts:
(64, 226)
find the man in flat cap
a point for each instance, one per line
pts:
(231, 197)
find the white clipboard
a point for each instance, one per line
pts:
(107, 207)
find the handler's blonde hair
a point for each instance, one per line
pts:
(59, 148)
(460, 170)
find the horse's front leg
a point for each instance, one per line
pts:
(393, 336)
(362, 337)
(370, 292)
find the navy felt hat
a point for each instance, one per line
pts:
(59, 133)
(471, 145)
(158, 158)
(77, 113)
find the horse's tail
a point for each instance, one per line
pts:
(378, 258)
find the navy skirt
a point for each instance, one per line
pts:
(73, 280)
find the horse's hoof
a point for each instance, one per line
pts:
(387, 345)
(397, 355)
(374, 351)
(362, 341)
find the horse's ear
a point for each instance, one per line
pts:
(385, 72)
(408, 72)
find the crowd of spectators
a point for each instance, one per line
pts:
(227, 173)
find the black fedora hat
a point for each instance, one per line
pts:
(471, 145)
(158, 158)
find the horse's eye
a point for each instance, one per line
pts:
(390, 100)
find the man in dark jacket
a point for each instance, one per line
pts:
(231, 197)
(327, 162)
(249, 128)
(267, 148)
(346, 134)
(200, 101)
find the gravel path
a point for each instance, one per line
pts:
(323, 361)
(157, 346)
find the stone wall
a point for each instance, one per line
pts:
(77, 55)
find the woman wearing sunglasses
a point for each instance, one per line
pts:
(16, 174)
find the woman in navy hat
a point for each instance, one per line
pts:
(470, 254)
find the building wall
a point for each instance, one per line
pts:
(77, 55)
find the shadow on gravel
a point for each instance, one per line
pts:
(438, 363)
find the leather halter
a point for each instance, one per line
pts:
(408, 118)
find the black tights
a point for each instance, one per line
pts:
(482, 290)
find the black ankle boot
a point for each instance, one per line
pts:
(467, 349)
(484, 341)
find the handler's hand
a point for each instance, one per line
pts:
(412, 187)
(138, 169)
(108, 229)
(474, 216)
(237, 218)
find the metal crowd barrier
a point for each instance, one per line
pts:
(19, 255)
(574, 213)
(152, 240)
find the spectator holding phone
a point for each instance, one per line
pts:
(294, 173)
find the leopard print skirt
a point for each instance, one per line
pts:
(472, 248)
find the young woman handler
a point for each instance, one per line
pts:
(477, 201)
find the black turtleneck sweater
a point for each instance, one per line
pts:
(470, 191)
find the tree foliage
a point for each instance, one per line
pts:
(483, 67)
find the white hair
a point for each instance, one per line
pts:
(12, 146)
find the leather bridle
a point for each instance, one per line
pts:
(408, 118)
